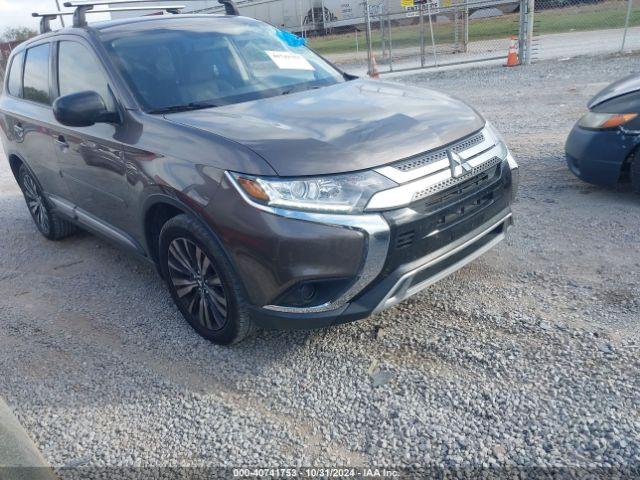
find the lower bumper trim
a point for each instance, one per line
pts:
(413, 282)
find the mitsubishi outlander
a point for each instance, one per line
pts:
(267, 186)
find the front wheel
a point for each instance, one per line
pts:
(202, 282)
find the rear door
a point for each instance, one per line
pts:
(91, 159)
(29, 117)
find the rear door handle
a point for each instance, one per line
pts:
(18, 130)
(61, 142)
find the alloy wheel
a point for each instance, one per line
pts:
(197, 284)
(35, 202)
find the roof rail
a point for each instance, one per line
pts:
(230, 7)
(45, 25)
(79, 14)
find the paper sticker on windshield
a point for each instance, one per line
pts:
(289, 60)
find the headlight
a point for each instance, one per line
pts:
(602, 121)
(503, 151)
(345, 193)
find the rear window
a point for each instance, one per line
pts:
(36, 75)
(15, 75)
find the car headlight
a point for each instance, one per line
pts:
(503, 151)
(603, 121)
(505, 154)
(344, 193)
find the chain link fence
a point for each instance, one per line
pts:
(399, 34)
(438, 33)
(564, 28)
(412, 35)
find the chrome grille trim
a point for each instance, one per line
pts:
(426, 158)
(450, 182)
(439, 179)
(438, 160)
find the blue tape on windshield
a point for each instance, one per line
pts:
(291, 39)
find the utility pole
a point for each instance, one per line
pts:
(61, 17)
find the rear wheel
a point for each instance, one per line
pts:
(202, 282)
(48, 222)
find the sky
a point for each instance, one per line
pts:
(17, 13)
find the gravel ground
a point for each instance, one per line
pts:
(529, 357)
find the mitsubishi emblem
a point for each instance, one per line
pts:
(456, 160)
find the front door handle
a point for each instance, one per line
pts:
(62, 142)
(18, 130)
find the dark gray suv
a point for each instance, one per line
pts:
(268, 187)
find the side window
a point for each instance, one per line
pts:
(36, 75)
(15, 75)
(79, 71)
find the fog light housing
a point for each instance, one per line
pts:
(313, 293)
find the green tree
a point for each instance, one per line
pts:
(17, 34)
(13, 34)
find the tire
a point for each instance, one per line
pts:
(202, 281)
(634, 171)
(48, 222)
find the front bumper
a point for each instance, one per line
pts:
(422, 244)
(405, 281)
(596, 156)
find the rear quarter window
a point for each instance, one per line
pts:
(36, 75)
(14, 83)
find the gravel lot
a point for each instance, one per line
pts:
(528, 357)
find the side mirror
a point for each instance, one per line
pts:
(82, 109)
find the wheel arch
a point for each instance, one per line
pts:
(158, 210)
(15, 162)
(161, 207)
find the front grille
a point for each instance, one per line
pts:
(450, 195)
(456, 180)
(423, 159)
(447, 215)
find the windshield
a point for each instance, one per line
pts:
(214, 62)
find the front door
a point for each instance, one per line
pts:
(91, 158)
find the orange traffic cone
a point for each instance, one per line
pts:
(374, 68)
(512, 56)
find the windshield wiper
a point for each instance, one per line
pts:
(184, 108)
(299, 88)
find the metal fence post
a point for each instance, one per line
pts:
(626, 25)
(522, 33)
(383, 38)
(390, 42)
(530, 13)
(433, 40)
(367, 20)
(525, 33)
(421, 34)
(466, 25)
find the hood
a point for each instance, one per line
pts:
(621, 87)
(341, 128)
